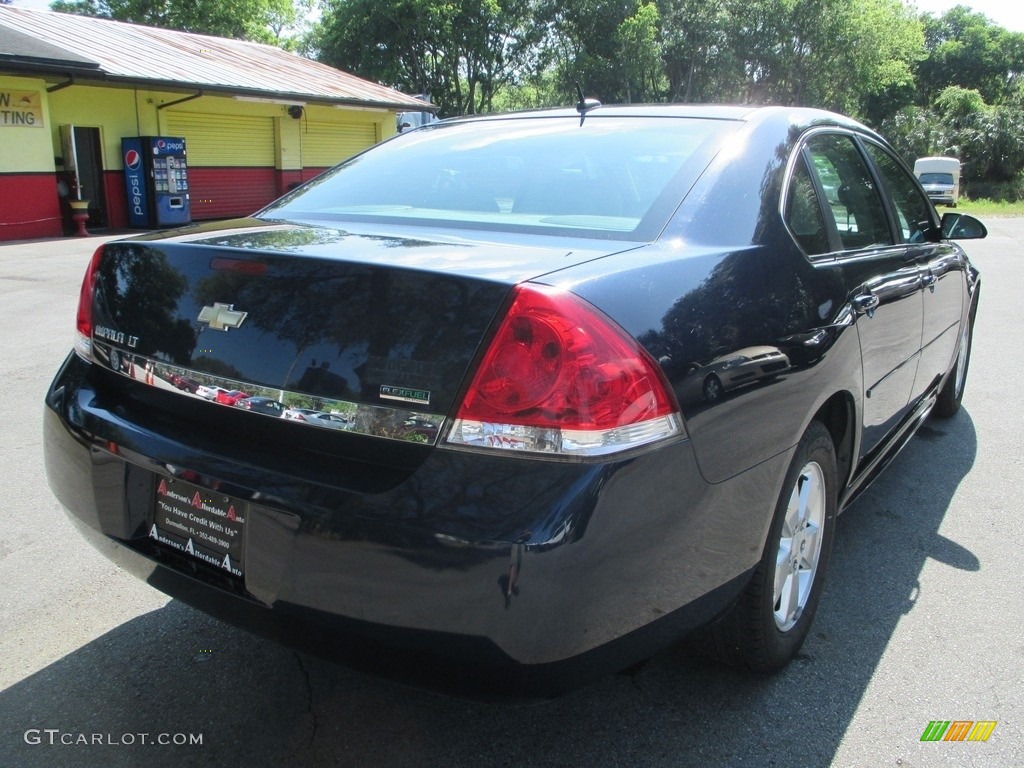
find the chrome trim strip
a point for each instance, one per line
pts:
(304, 409)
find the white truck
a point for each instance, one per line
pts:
(940, 177)
(406, 121)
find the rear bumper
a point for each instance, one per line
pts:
(472, 573)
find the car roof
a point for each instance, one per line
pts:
(713, 111)
(791, 121)
(800, 116)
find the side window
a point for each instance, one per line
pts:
(853, 200)
(913, 210)
(803, 212)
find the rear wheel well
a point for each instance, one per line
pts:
(837, 414)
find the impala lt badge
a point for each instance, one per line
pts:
(221, 317)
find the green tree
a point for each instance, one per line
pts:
(966, 49)
(583, 45)
(959, 106)
(265, 21)
(825, 53)
(988, 140)
(461, 52)
(640, 53)
(914, 132)
(838, 54)
(534, 90)
(700, 63)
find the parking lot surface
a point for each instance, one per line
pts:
(920, 620)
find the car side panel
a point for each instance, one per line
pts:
(689, 312)
(889, 335)
(945, 308)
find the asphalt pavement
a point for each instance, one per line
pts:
(920, 621)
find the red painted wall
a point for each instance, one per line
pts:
(29, 206)
(288, 180)
(218, 193)
(117, 199)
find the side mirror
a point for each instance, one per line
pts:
(961, 226)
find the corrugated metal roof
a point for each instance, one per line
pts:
(17, 46)
(131, 53)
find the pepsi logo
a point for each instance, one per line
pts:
(132, 159)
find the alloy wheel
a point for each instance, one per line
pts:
(799, 551)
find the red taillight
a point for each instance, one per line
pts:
(561, 378)
(83, 321)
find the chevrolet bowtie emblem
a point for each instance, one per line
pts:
(222, 316)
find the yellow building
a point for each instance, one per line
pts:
(257, 120)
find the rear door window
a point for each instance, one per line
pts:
(853, 201)
(803, 212)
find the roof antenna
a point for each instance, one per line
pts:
(584, 105)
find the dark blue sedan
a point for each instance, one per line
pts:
(608, 374)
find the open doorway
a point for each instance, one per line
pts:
(83, 160)
(90, 173)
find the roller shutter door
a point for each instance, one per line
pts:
(327, 144)
(230, 162)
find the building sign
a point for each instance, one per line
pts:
(21, 109)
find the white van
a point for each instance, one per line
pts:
(940, 177)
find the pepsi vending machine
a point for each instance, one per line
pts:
(156, 179)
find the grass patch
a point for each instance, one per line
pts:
(983, 207)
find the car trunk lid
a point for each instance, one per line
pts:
(312, 317)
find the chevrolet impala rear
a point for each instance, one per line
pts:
(494, 484)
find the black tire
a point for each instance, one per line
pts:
(760, 632)
(713, 389)
(952, 392)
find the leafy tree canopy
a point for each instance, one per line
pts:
(965, 49)
(831, 53)
(461, 52)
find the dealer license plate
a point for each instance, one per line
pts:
(203, 524)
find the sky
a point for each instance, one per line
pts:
(1006, 13)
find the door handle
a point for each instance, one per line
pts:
(929, 281)
(866, 304)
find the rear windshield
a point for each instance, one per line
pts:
(612, 177)
(936, 178)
